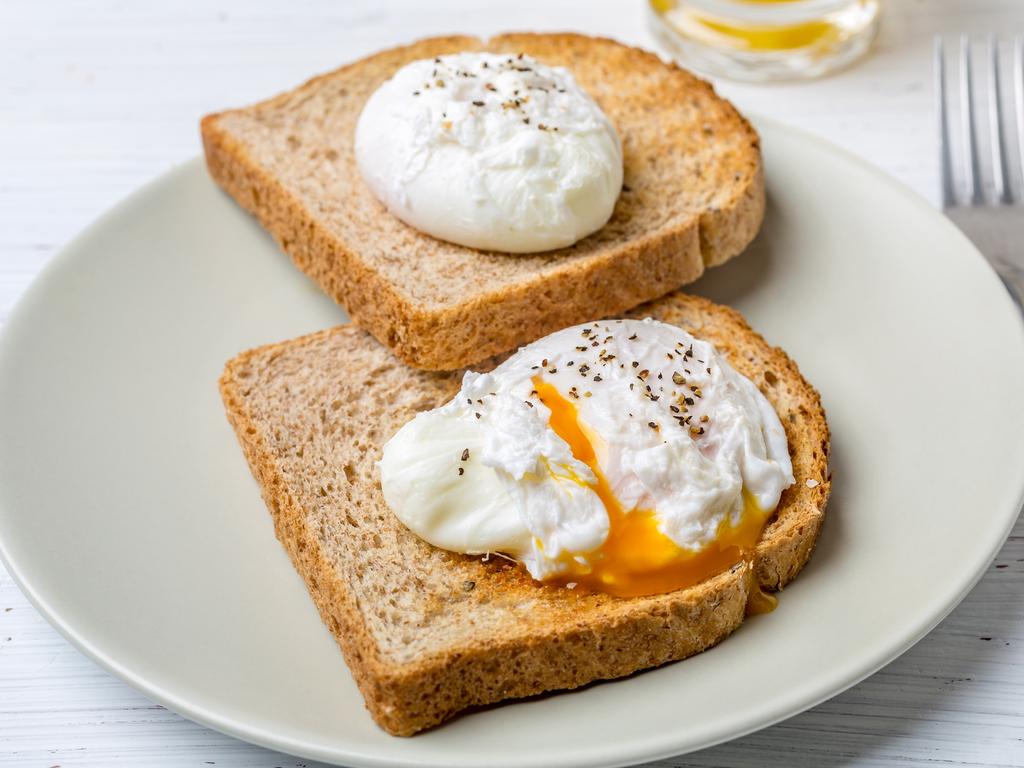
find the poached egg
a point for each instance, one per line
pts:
(625, 456)
(490, 151)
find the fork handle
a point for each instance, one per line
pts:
(998, 232)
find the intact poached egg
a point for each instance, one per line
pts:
(490, 151)
(625, 456)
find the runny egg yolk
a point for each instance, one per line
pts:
(637, 559)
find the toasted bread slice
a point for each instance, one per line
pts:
(693, 197)
(427, 632)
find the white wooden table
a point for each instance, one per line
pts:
(98, 96)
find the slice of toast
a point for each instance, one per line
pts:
(427, 632)
(693, 197)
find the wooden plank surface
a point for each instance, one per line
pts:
(97, 97)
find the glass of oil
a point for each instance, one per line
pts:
(764, 40)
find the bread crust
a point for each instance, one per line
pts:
(693, 197)
(458, 631)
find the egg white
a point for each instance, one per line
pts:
(490, 151)
(675, 429)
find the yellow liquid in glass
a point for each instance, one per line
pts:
(749, 36)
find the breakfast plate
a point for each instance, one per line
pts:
(129, 518)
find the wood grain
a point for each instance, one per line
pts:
(97, 97)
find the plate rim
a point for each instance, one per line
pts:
(653, 749)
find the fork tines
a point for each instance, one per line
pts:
(985, 172)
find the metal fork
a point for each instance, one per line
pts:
(985, 200)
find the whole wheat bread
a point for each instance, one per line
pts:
(427, 632)
(693, 197)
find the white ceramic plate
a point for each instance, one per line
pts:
(130, 519)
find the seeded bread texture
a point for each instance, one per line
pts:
(693, 197)
(428, 633)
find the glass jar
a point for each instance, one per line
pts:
(764, 40)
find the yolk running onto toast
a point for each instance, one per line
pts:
(636, 558)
